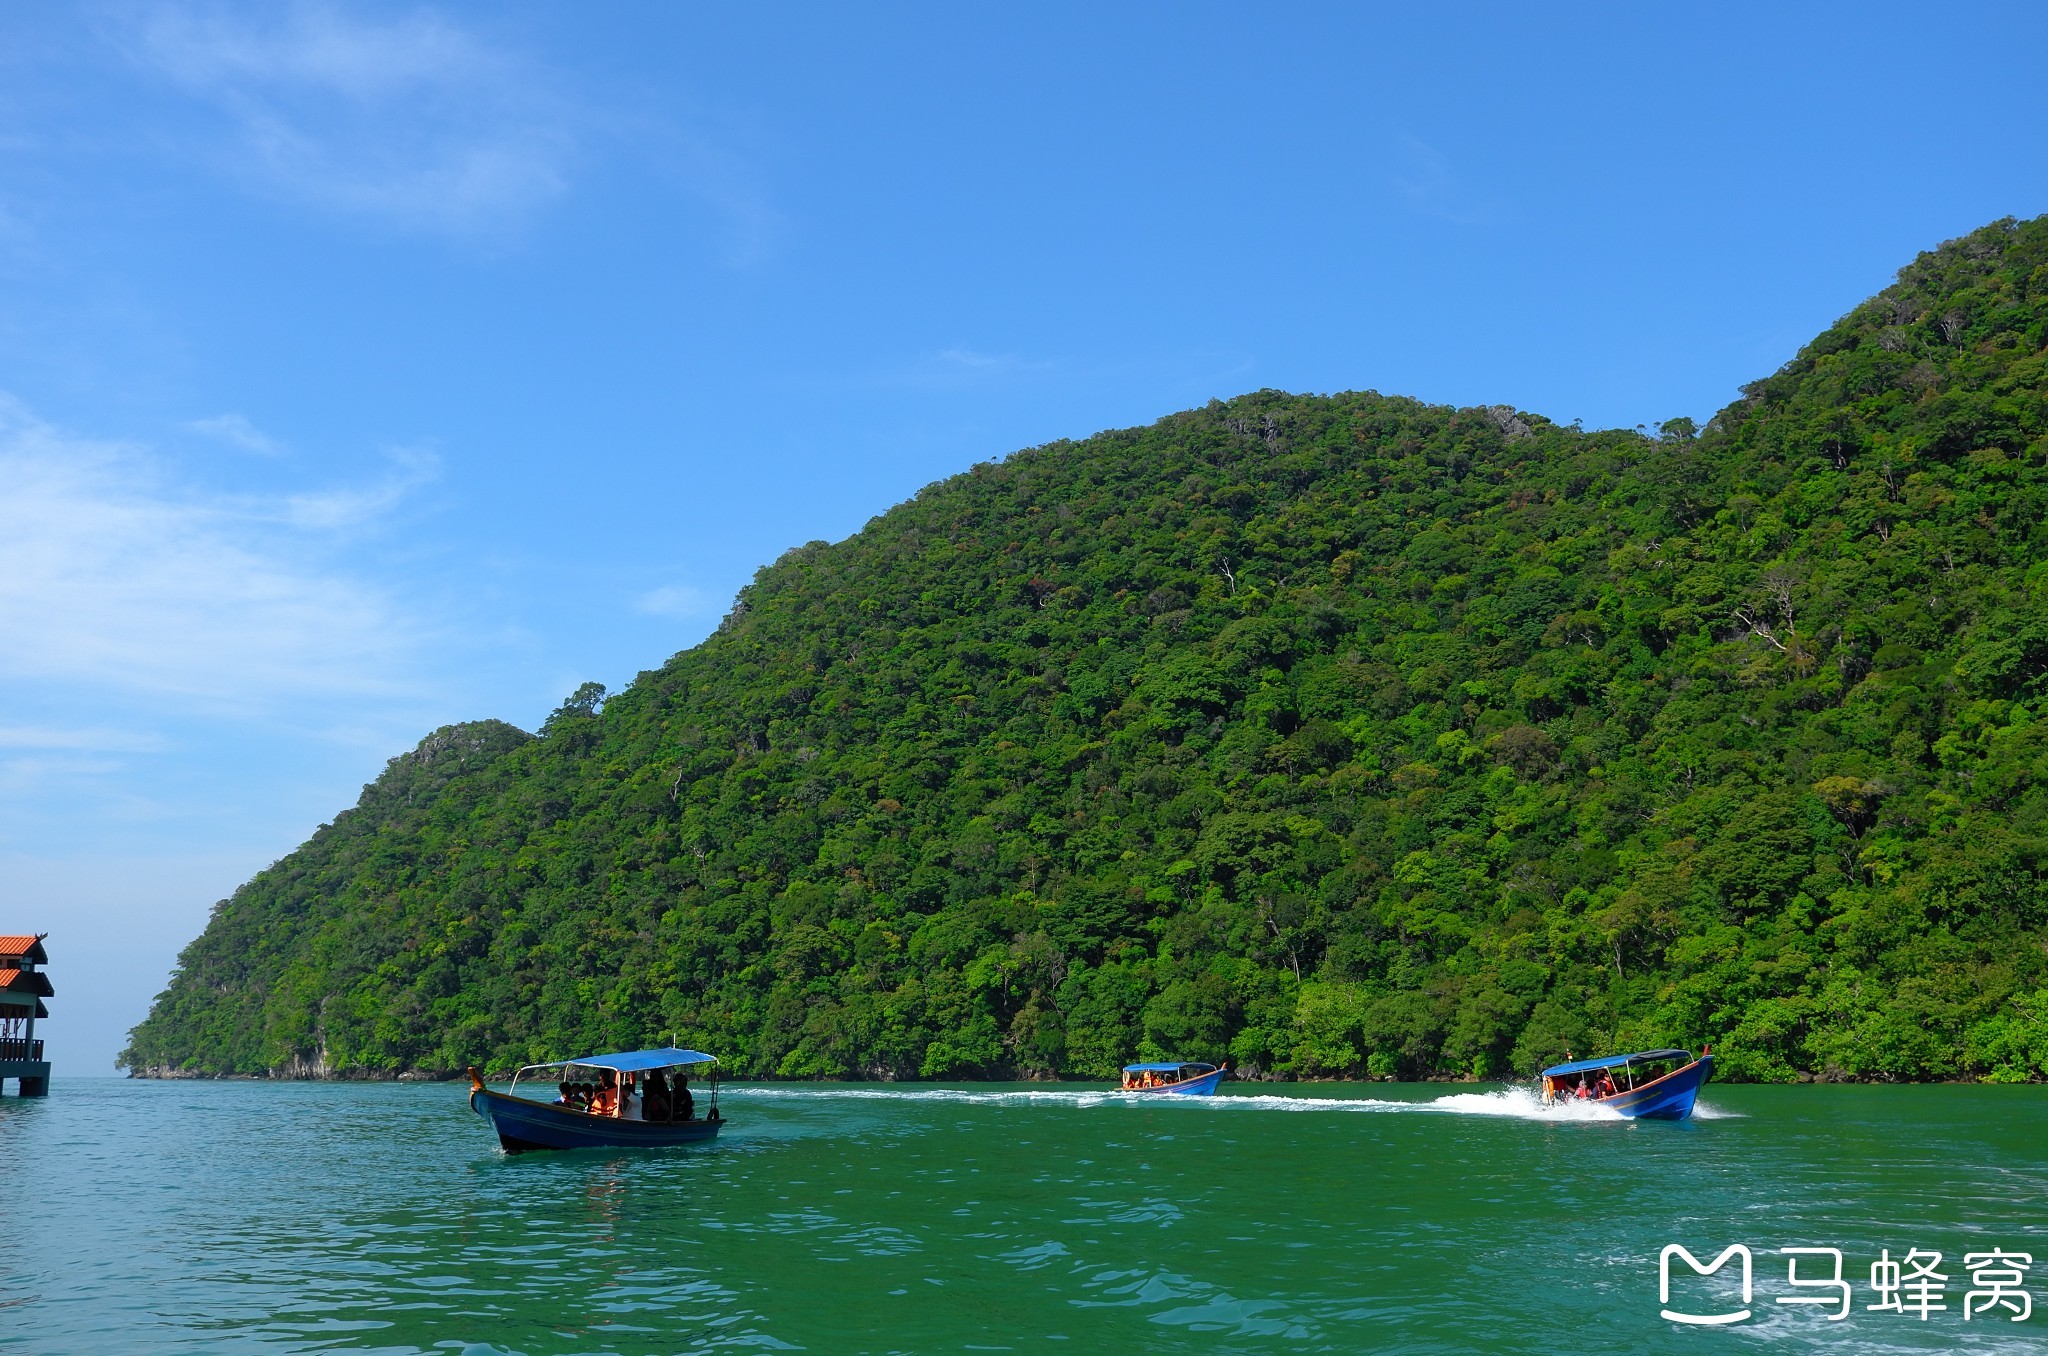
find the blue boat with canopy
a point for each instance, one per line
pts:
(633, 1099)
(1182, 1078)
(1659, 1085)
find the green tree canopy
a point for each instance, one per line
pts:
(1331, 735)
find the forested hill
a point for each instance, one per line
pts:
(1328, 735)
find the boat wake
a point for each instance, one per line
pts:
(1515, 1103)
(1523, 1104)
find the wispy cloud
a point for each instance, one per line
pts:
(114, 577)
(348, 506)
(413, 120)
(46, 760)
(93, 740)
(684, 602)
(1428, 184)
(713, 166)
(41, 776)
(956, 367)
(333, 508)
(236, 431)
(967, 360)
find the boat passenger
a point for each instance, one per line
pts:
(655, 1103)
(685, 1104)
(1607, 1088)
(606, 1100)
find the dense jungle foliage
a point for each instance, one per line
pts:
(1334, 735)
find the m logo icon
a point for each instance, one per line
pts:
(1672, 1250)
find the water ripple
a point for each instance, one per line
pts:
(265, 1218)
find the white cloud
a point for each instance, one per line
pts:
(967, 360)
(111, 576)
(412, 120)
(328, 510)
(85, 739)
(236, 431)
(1430, 186)
(310, 45)
(681, 601)
(47, 775)
(958, 367)
(417, 120)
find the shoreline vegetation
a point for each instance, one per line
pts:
(1334, 737)
(1049, 1080)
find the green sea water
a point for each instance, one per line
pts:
(262, 1217)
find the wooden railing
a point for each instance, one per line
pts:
(28, 1050)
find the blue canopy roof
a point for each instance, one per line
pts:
(636, 1061)
(1175, 1067)
(1615, 1061)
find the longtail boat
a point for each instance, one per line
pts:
(629, 1100)
(1190, 1079)
(1659, 1085)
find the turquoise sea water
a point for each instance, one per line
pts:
(255, 1217)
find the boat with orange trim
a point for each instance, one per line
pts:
(1185, 1079)
(1657, 1085)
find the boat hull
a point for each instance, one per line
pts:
(522, 1124)
(1669, 1098)
(1202, 1086)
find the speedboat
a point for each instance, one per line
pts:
(1658, 1085)
(629, 1100)
(1183, 1079)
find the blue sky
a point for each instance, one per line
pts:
(365, 368)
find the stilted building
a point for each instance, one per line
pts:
(23, 987)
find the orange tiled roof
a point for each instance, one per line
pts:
(26, 981)
(24, 944)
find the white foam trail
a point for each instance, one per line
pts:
(1514, 1102)
(1048, 1097)
(1524, 1104)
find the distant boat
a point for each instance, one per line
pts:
(1658, 1085)
(630, 1100)
(1186, 1080)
